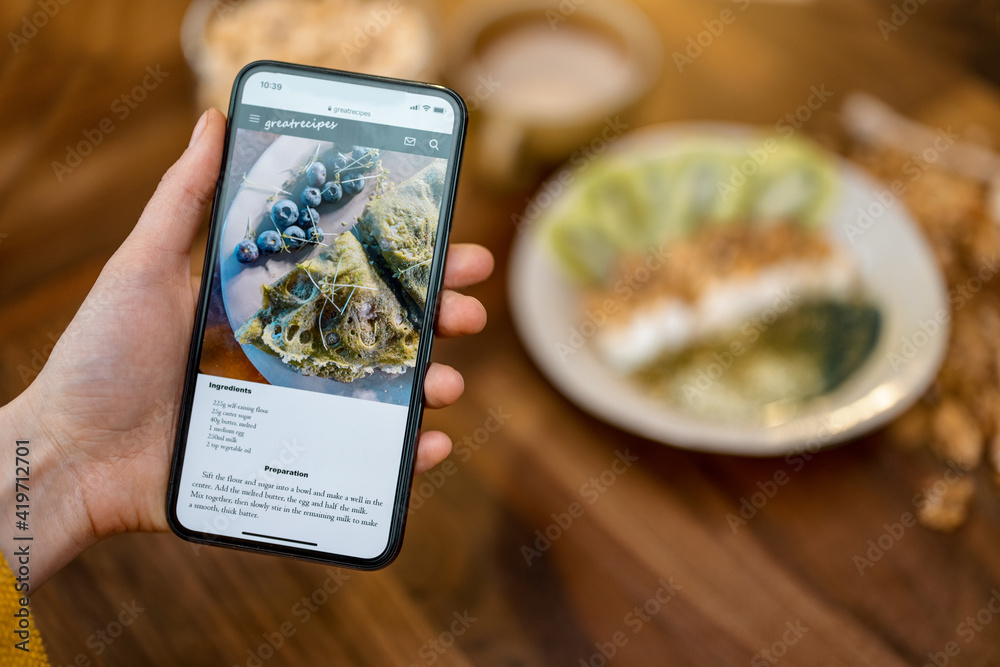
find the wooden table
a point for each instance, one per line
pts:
(651, 570)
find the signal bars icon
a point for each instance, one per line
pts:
(415, 107)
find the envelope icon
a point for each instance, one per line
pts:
(409, 141)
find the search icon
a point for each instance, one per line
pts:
(433, 143)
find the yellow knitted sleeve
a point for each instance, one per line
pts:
(11, 625)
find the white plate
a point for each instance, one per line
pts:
(897, 267)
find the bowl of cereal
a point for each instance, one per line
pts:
(384, 37)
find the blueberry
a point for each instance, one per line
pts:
(351, 174)
(269, 242)
(332, 191)
(246, 251)
(339, 162)
(366, 158)
(311, 196)
(316, 174)
(308, 217)
(284, 213)
(295, 238)
(353, 186)
(316, 234)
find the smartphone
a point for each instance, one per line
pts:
(304, 388)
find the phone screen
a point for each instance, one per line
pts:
(304, 391)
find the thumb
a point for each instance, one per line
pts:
(171, 218)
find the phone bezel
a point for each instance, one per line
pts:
(415, 408)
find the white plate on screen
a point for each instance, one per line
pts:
(241, 283)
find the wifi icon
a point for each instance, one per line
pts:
(427, 107)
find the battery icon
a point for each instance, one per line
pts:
(438, 109)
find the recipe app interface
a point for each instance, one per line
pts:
(327, 221)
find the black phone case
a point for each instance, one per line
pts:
(415, 410)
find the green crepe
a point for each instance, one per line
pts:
(401, 226)
(333, 316)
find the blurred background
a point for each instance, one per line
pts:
(586, 518)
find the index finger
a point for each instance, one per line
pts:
(467, 264)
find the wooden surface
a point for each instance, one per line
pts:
(662, 522)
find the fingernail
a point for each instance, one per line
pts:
(199, 128)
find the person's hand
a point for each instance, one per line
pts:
(101, 416)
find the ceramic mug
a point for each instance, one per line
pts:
(542, 79)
